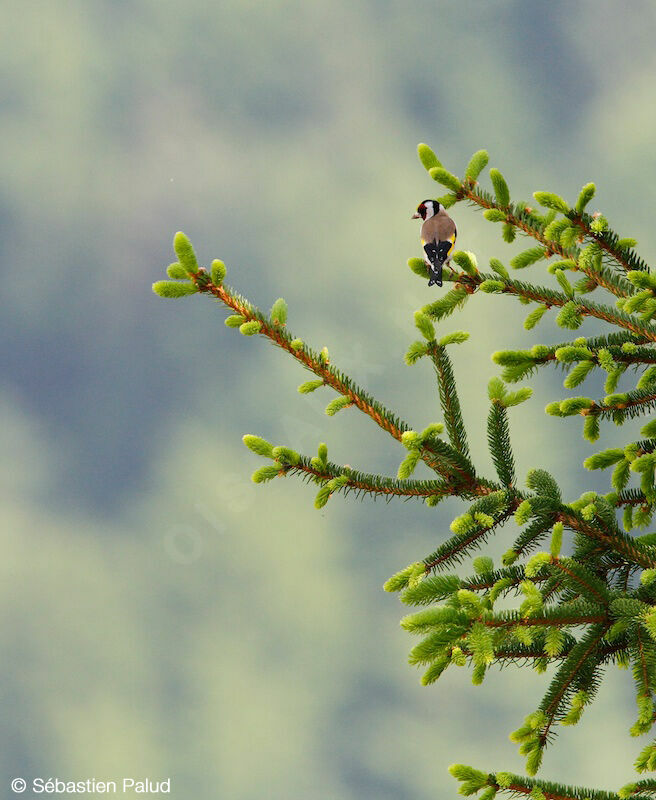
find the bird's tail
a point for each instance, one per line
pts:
(435, 276)
(436, 254)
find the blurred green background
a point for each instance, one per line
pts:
(162, 616)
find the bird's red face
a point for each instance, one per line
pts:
(426, 209)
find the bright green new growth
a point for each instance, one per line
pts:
(278, 311)
(173, 289)
(501, 192)
(427, 157)
(444, 177)
(585, 586)
(250, 328)
(218, 272)
(176, 271)
(185, 253)
(476, 165)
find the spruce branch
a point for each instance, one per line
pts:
(470, 535)
(518, 785)
(524, 220)
(632, 403)
(432, 453)
(365, 483)
(498, 437)
(611, 244)
(577, 308)
(449, 397)
(581, 578)
(612, 539)
(551, 234)
(582, 611)
(578, 672)
(554, 618)
(518, 654)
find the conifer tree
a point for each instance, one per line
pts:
(582, 569)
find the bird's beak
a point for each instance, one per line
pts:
(416, 215)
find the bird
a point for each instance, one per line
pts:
(438, 236)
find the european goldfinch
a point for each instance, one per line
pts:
(438, 235)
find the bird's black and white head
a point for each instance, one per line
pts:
(427, 209)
